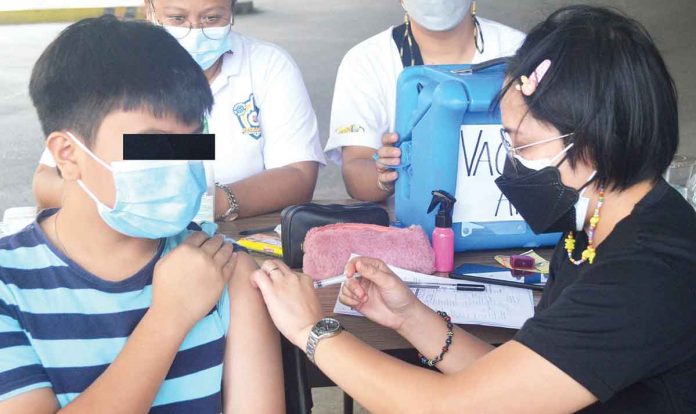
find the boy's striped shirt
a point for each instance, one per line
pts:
(61, 327)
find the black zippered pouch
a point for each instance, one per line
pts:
(296, 221)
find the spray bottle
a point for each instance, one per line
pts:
(443, 236)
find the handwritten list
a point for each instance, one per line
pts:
(501, 306)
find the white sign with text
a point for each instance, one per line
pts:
(481, 161)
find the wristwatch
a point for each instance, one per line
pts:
(233, 211)
(325, 328)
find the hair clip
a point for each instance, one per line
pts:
(528, 85)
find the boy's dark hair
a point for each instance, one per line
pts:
(609, 86)
(100, 65)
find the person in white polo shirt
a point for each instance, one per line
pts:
(364, 104)
(267, 143)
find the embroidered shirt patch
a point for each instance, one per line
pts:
(248, 116)
(349, 128)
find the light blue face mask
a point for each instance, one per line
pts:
(204, 50)
(154, 199)
(437, 15)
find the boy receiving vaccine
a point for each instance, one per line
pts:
(114, 303)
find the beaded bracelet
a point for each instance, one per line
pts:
(431, 362)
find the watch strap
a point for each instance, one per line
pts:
(232, 201)
(315, 338)
(312, 343)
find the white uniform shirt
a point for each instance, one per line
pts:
(364, 102)
(262, 117)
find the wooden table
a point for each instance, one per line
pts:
(301, 375)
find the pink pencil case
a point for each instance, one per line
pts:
(327, 249)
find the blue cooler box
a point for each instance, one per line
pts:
(450, 140)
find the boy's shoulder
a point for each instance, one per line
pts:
(29, 250)
(172, 241)
(26, 258)
(26, 249)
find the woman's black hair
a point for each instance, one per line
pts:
(607, 84)
(100, 65)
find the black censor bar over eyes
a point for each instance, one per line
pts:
(167, 147)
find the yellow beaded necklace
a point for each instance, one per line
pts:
(588, 255)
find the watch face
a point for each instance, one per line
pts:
(327, 325)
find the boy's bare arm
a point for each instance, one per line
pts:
(253, 378)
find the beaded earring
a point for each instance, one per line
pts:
(588, 255)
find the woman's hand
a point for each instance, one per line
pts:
(290, 299)
(378, 294)
(388, 157)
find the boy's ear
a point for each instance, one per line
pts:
(64, 152)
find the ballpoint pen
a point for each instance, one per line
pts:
(460, 287)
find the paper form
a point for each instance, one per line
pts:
(501, 306)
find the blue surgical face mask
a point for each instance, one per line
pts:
(154, 199)
(437, 15)
(205, 50)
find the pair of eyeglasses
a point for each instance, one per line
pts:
(207, 24)
(511, 151)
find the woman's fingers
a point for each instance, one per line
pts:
(275, 274)
(388, 177)
(348, 298)
(348, 301)
(353, 288)
(390, 138)
(261, 280)
(377, 263)
(282, 266)
(389, 153)
(376, 272)
(387, 164)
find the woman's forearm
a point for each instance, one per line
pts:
(381, 383)
(427, 332)
(271, 190)
(360, 176)
(503, 381)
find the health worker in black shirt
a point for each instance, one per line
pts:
(590, 125)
